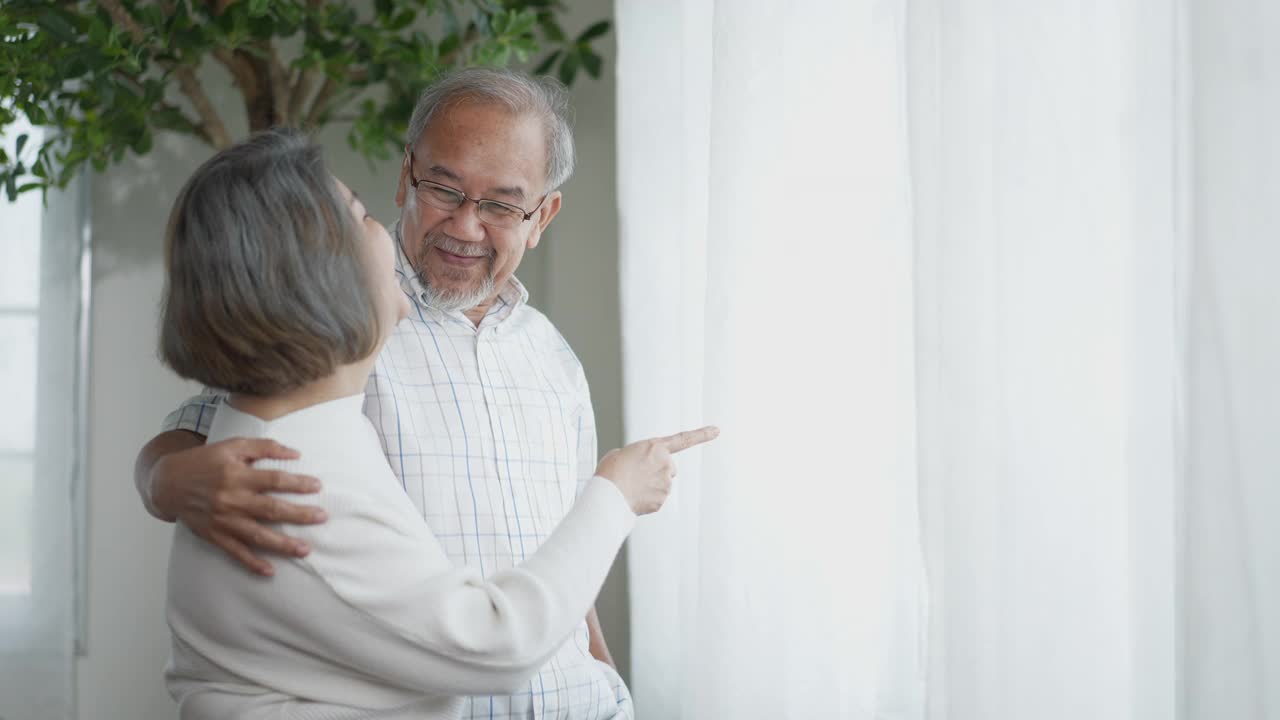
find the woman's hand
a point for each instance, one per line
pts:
(217, 493)
(643, 470)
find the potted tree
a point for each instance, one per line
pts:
(106, 76)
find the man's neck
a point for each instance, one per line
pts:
(346, 381)
(477, 313)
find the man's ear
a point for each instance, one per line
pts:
(550, 208)
(403, 187)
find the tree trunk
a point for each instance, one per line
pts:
(260, 103)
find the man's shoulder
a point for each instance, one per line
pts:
(542, 331)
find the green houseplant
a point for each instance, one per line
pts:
(106, 76)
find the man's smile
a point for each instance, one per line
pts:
(459, 260)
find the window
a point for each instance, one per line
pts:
(19, 325)
(44, 263)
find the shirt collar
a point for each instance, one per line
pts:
(325, 419)
(512, 295)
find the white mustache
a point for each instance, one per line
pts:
(454, 246)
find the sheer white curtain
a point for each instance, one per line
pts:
(767, 288)
(1046, 171)
(993, 275)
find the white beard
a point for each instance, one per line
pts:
(443, 299)
(447, 300)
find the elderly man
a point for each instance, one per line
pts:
(482, 408)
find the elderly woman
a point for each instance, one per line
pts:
(281, 289)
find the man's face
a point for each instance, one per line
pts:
(487, 153)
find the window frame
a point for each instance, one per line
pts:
(72, 239)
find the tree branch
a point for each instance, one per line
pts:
(280, 96)
(212, 125)
(304, 81)
(302, 91)
(196, 128)
(467, 38)
(246, 79)
(318, 106)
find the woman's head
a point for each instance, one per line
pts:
(275, 277)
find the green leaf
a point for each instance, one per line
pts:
(591, 62)
(263, 27)
(483, 22)
(21, 142)
(52, 22)
(142, 145)
(449, 44)
(107, 90)
(521, 23)
(547, 63)
(403, 20)
(594, 31)
(498, 23)
(426, 52)
(551, 29)
(99, 33)
(451, 24)
(258, 8)
(569, 67)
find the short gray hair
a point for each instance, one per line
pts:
(265, 288)
(543, 97)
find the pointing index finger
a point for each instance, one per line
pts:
(689, 438)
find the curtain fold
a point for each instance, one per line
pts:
(1229, 540)
(980, 291)
(1043, 226)
(741, 607)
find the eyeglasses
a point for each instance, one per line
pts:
(490, 212)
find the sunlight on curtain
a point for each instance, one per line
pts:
(767, 288)
(1016, 257)
(1045, 185)
(39, 321)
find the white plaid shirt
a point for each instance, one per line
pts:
(490, 430)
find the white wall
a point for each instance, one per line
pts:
(572, 277)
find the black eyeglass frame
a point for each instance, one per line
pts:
(416, 184)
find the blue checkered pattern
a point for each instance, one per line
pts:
(490, 430)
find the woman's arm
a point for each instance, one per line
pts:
(377, 597)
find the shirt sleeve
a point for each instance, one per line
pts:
(588, 450)
(196, 414)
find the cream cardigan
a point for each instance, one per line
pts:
(375, 621)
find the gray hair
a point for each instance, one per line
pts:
(266, 288)
(542, 96)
